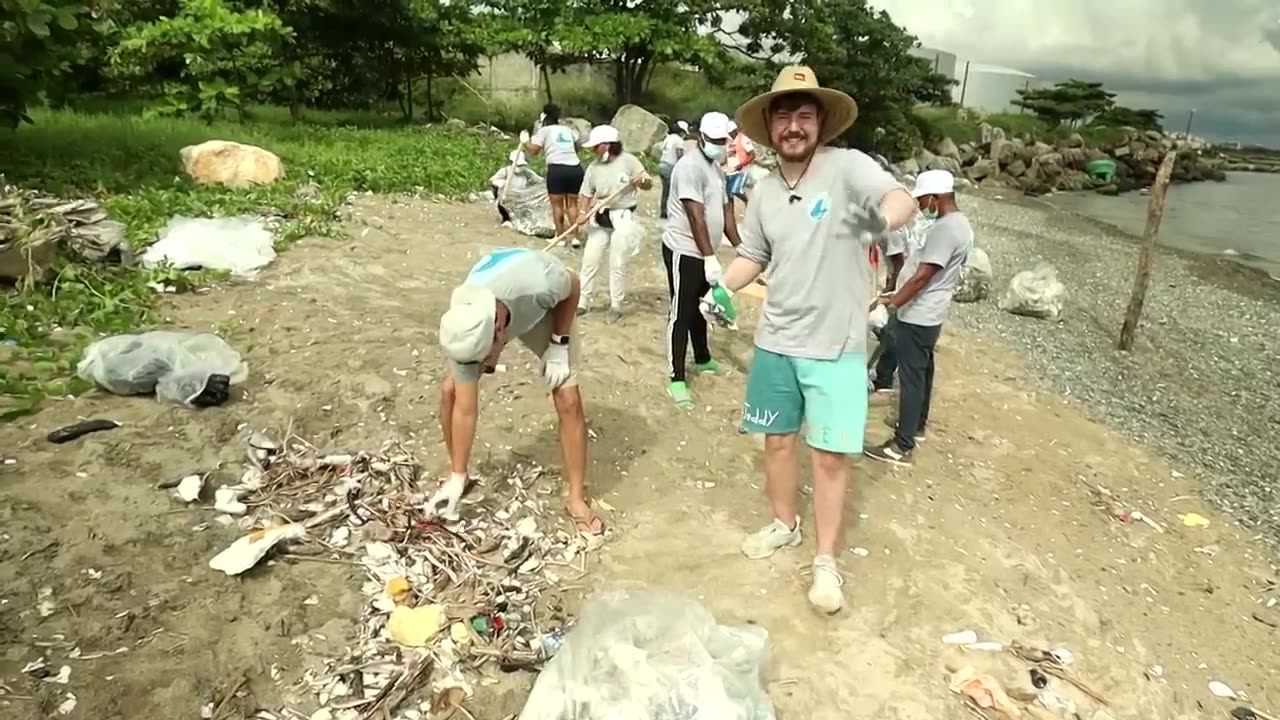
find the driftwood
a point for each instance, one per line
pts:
(1146, 252)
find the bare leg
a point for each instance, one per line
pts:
(573, 446)
(782, 475)
(557, 212)
(830, 478)
(571, 217)
(447, 395)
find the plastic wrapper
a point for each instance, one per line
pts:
(1035, 293)
(177, 366)
(650, 655)
(240, 245)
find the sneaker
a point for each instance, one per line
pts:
(710, 367)
(892, 422)
(679, 392)
(507, 224)
(770, 539)
(825, 594)
(890, 453)
(613, 316)
(575, 244)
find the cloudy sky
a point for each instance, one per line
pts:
(1221, 57)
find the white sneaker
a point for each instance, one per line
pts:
(825, 593)
(770, 539)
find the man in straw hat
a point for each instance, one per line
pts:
(812, 224)
(530, 295)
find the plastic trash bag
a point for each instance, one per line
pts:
(188, 369)
(527, 202)
(975, 277)
(241, 245)
(626, 231)
(650, 655)
(1035, 293)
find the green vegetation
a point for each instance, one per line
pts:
(961, 125)
(131, 164)
(1074, 102)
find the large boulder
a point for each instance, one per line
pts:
(982, 169)
(1017, 168)
(1035, 293)
(975, 277)
(1074, 158)
(638, 127)
(582, 126)
(1001, 151)
(946, 147)
(235, 165)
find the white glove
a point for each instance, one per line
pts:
(555, 365)
(711, 267)
(524, 136)
(449, 493)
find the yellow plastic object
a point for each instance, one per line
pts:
(398, 588)
(1195, 520)
(414, 627)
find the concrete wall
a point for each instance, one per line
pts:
(943, 62)
(513, 76)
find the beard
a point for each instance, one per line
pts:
(795, 147)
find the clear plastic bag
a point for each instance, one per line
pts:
(240, 245)
(527, 202)
(648, 655)
(1035, 293)
(176, 366)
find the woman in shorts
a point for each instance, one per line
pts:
(559, 145)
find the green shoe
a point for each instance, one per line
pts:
(710, 367)
(679, 392)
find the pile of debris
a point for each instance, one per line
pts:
(33, 226)
(446, 597)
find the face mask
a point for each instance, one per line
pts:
(929, 213)
(603, 157)
(712, 152)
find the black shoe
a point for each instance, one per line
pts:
(890, 453)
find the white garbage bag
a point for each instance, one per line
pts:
(176, 366)
(975, 277)
(627, 231)
(526, 200)
(1035, 293)
(240, 245)
(646, 655)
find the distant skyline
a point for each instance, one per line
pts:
(1220, 57)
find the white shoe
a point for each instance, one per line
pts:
(825, 593)
(770, 539)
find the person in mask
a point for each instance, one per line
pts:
(611, 181)
(699, 213)
(922, 299)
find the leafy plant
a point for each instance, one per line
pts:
(1067, 102)
(209, 56)
(33, 39)
(1121, 116)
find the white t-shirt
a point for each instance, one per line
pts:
(559, 144)
(947, 245)
(671, 148)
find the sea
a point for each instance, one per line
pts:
(1237, 219)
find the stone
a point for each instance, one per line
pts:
(1001, 152)
(1017, 168)
(455, 124)
(235, 165)
(964, 184)
(986, 133)
(975, 277)
(1074, 157)
(968, 154)
(581, 126)
(638, 127)
(1048, 165)
(1155, 137)
(1152, 156)
(1091, 154)
(1108, 190)
(982, 169)
(1041, 148)
(1073, 180)
(1074, 141)
(946, 147)
(909, 167)
(940, 162)
(1121, 152)
(925, 159)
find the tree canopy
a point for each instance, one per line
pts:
(1068, 102)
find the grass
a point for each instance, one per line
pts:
(131, 165)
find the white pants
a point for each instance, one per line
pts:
(620, 244)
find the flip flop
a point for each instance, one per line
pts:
(592, 528)
(679, 392)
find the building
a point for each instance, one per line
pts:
(979, 86)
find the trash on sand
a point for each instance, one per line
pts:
(399, 590)
(227, 500)
(189, 488)
(983, 691)
(1105, 500)
(68, 704)
(239, 245)
(415, 627)
(191, 369)
(1063, 656)
(964, 637)
(1247, 713)
(861, 552)
(248, 550)
(1155, 672)
(44, 602)
(1194, 520)
(987, 646)
(1050, 665)
(80, 429)
(648, 654)
(1222, 690)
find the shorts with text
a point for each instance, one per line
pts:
(826, 397)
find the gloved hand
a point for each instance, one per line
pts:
(717, 306)
(867, 223)
(711, 268)
(448, 495)
(555, 365)
(524, 136)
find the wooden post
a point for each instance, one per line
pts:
(1146, 252)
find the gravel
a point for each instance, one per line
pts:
(1203, 382)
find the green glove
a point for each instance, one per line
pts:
(718, 306)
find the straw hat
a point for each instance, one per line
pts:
(838, 108)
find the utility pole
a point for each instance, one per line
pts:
(965, 84)
(1191, 115)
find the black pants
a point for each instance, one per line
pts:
(502, 212)
(887, 365)
(914, 346)
(686, 284)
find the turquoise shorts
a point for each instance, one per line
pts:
(828, 397)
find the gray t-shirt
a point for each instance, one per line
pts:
(819, 269)
(602, 179)
(694, 178)
(530, 283)
(947, 244)
(558, 143)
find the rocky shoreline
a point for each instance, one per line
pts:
(1202, 386)
(1037, 168)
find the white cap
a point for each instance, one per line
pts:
(934, 182)
(684, 126)
(517, 158)
(732, 126)
(602, 134)
(715, 125)
(466, 329)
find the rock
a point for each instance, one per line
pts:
(968, 154)
(1001, 152)
(1041, 148)
(964, 184)
(1154, 137)
(1048, 166)
(1121, 152)
(455, 124)
(1017, 168)
(1035, 293)
(1073, 180)
(1152, 156)
(909, 167)
(975, 277)
(946, 147)
(1091, 154)
(221, 162)
(1034, 187)
(1074, 141)
(982, 169)
(925, 159)
(581, 126)
(988, 134)
(638, 127)
(949, 164)
(1074, 158)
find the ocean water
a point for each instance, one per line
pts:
(1238, 219)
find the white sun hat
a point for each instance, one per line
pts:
(934, 182)
(601, 134)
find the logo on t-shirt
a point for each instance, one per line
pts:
(490, 263)
(564, 138)
(820, 207)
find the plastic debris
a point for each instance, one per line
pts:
(1194, 520)
(983, 690)
(239, 245)
(80, 429)
(963, 637)
(189, 488)
(190, 369)
(1222, 690)
(415, 627)
(227, 500)
(250, 549)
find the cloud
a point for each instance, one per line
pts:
(1221, 57)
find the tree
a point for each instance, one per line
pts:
(1067, 102)
(851, 47)
(34, 37)
(217, 58)
(1121, 116)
